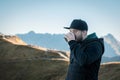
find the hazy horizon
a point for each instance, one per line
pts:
(56, 34)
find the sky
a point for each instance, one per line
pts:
(50, 16)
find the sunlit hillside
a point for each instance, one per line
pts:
(12, 39)
(24, 62)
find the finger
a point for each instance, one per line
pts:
(66, 36)
(72, 34)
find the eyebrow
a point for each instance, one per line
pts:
(73, 30)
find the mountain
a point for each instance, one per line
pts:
(109, 39)
(51, 41)
(109, 51)
(27, 62)
(56, 41)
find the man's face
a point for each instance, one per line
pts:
(78, 34)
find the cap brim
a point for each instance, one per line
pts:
(67, 27)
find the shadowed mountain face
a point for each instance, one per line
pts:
(27, 62)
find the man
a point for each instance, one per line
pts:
(85, 52)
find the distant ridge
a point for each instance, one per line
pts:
(56, 41)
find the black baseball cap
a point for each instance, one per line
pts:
(78, 24)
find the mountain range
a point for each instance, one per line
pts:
(56, 41)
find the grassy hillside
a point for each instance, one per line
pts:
(9, 51)
(25, 62)
(110, 71)
(33, 70)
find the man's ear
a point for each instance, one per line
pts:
(84, 34)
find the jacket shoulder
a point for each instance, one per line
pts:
(94, 42)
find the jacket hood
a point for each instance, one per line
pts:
(93, 37)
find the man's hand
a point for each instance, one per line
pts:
(69, 36)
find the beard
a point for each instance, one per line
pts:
(78, 38)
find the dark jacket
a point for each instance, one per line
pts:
(85, 58)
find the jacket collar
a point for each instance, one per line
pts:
(91, 36)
